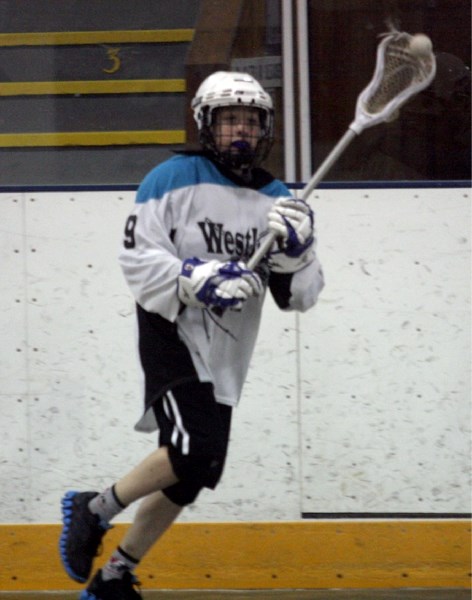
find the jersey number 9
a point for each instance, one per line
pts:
(129, 241)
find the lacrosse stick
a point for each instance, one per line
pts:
(405, 66)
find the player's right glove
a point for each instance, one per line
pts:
(209, 284)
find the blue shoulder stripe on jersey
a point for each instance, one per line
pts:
(275, 189)
(183, 171)
(178, 172)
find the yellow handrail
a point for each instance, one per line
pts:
(91, 138)
(117, 86)
(72, 38)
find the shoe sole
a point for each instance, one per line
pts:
(66, 508)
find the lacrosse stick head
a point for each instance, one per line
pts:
(403, 69)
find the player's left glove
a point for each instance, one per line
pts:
(292, 221)
(212, 284)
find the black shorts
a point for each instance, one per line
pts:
(165, 360)
(195, 428)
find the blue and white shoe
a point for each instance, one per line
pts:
(81, 535)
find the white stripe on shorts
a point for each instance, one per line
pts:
(169, 399)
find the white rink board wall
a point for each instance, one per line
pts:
(386, 359)
(359, 405)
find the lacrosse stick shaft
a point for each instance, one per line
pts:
(327, 164)
(322, 170)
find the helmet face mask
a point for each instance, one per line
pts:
(219, 103)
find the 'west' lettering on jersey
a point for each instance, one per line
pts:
(221, 241)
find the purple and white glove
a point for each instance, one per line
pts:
(209, 284)
(292, 221)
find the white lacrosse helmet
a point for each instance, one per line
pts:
(227, 88)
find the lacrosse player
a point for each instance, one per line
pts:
(198, 218)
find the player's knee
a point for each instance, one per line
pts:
(194, 474)
(182, 493)
(202, 470)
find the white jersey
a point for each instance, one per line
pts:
(189, 207)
